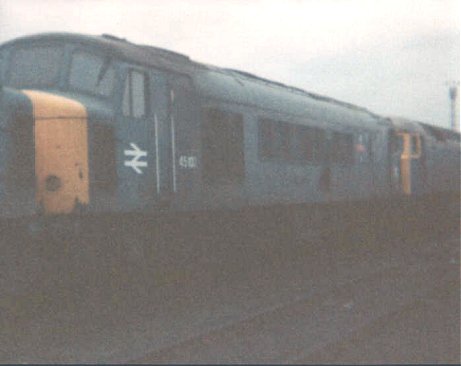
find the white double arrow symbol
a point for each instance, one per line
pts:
(137, 154)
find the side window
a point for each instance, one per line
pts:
(289, 142)
(308, 144)
(275, 140)
(305, 144)
(363, 147)
(135, 95)
(415, 145)
(223, 147)
(283, 140)
(266, 138)
(342, 148)
(397, 144)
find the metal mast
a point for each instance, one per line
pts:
(453, 93)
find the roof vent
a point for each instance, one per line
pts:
(114, 38)
(166, 53)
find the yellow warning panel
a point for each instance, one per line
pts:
(411, 151)
(61, 152)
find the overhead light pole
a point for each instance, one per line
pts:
(453, 93)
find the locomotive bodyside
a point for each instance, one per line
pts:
(114, 128)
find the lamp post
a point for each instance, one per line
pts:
(453, 93)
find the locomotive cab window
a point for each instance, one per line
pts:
(223, 147)
(415, 145)
(37, 66)
(135, 95)
(396, 143)
(91, 74)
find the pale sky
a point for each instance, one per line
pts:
(392, 57)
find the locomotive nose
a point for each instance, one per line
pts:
(61, 152)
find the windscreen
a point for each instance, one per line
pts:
(37, 66)
(91, 74)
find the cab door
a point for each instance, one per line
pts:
(144, 110)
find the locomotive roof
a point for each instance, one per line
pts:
(118, 47)
(169, 60)
(439, 133)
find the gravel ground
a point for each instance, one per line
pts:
(407, 314)
(425, 331)
(397, 302)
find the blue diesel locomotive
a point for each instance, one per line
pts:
(93, 127)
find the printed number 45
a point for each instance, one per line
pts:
(188, 162)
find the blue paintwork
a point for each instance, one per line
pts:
(166, 185)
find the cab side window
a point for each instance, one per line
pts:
(135, 95)
(415, 145)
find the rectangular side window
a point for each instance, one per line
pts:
(275, 139)
(283, 140)
(223, 147)
(305, 144)
(290, 143)
(138, 94)
(342, 148)
(266, 138)
(126, 103)
(363, 147)
(415, 149)
(135, 95)
(308, 144)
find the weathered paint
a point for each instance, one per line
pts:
(61, 150)
(266, 183)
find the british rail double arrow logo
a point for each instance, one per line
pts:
(135, 162)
